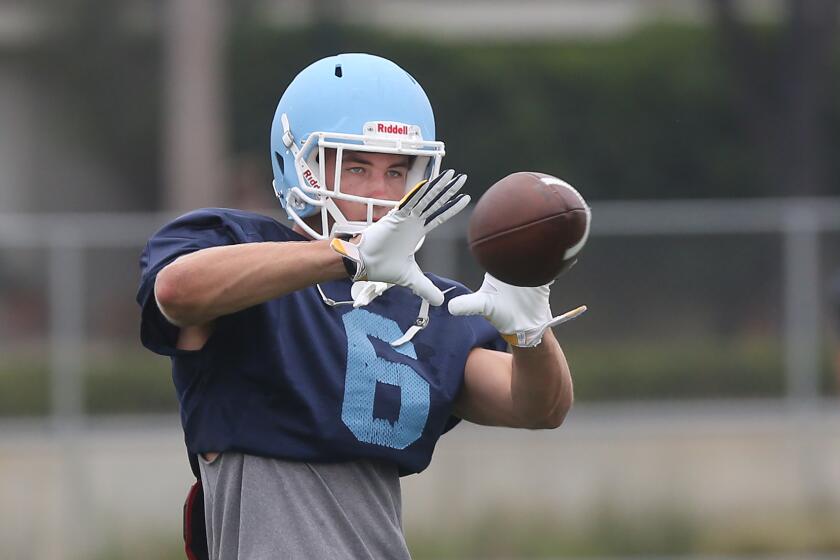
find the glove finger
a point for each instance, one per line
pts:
(435, 187)
(418, 192)
(470, 304)
(451, 209)
(420, 284)
(411, 197)
(443, 195)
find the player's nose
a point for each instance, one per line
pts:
(378, 185)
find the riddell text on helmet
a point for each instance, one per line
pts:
(392, 129)
(313, 182)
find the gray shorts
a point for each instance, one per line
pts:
(259, 508)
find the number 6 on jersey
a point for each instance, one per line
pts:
(365, 369)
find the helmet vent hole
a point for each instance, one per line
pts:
(279, 160)
(338, 72)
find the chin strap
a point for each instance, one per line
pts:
(420, 323)
(365, 292)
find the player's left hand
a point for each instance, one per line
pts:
(385, 250)
(521, 315)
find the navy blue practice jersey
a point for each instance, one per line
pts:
(296, 379)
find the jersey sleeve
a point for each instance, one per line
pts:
(485, 335)
(189, 233)
(481, 333)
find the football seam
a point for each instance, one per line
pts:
(524, 226)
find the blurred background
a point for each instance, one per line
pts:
(704, 133)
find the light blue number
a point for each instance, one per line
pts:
(365, 369)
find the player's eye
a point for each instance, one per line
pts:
(356, 170)
(396, 173)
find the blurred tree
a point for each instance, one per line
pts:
(641, 116)
(783, 89)
(328, 19)
(659, 113)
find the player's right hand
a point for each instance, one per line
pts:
(384, 251)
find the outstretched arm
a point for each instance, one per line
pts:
(532, 386)
(529, 388)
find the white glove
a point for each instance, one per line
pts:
(385, 251)
(521, 315)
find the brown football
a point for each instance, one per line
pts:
(528, 228)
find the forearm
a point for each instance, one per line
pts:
(201, 286)
(541, 383)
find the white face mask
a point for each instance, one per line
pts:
(376, 137)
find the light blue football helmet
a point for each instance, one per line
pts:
(357, 102)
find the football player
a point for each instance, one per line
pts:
(315, 365)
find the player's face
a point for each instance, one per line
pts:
(368, 174)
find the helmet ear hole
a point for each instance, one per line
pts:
(279, 159)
